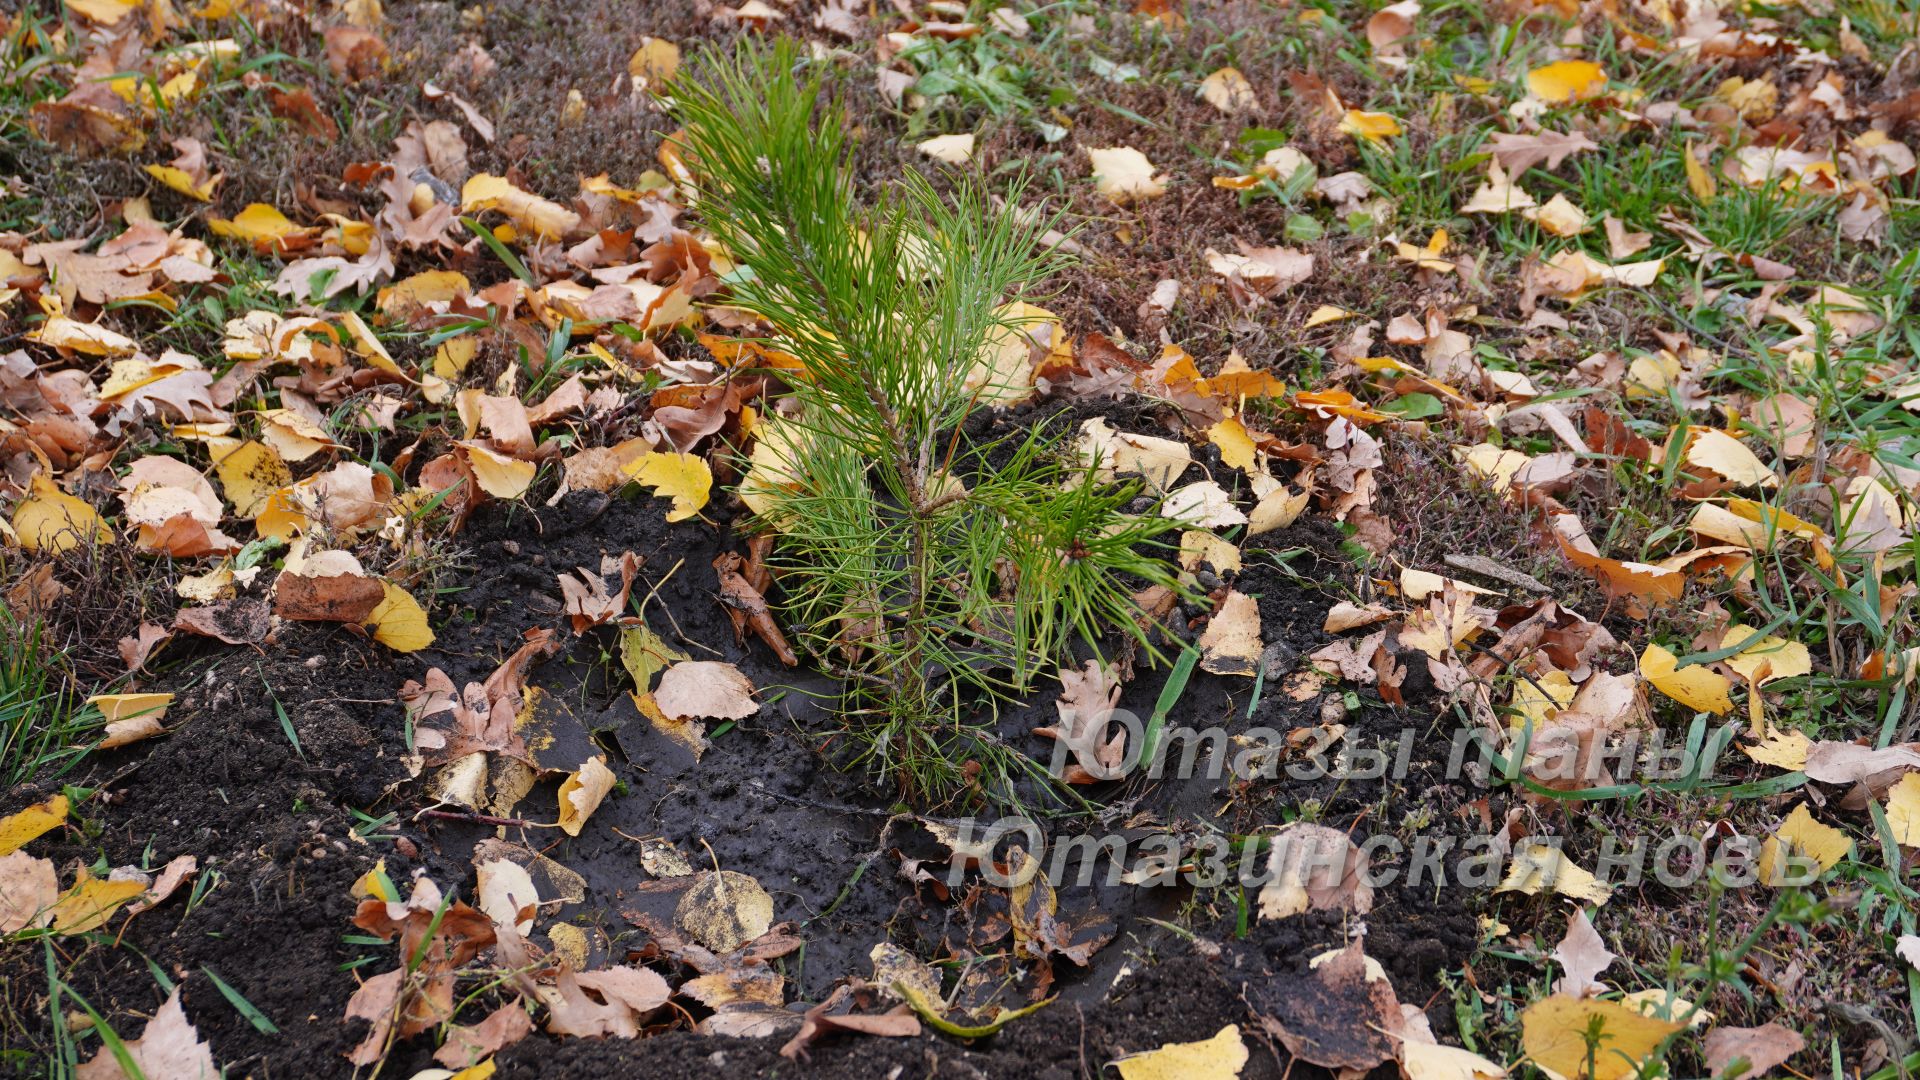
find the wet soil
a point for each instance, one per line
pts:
(276, 828)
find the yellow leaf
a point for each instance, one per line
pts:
(655, 60)
(544, 217)
(645, 654)
(182, 181)
(1661, 1004)
(1567, 81)
(1555, 1030)
(1430, 1061)
(1219, 1058)
(1903, 810)
(1711, 448)
(128, 706)
(250, 473)
(293, 436)
(497, 474)
(398, 621)
(91, 902)
(581, 793)
(1699, 180)
(258, 224)
(683, 476)
(1124, 174)
(1496, 465)
(1541, 866)
(952, 149)
(1236, 446)
(1002, 372)
(426, 287)
(53, 521)
(104, 12)
(1498, 195)
(1698, 687)
(1559, 217)
(1536, 700)
(1782, 748)
(1229, 91)
(1327, 313)
(484, 1070)
(1768, 657)
(1374, 127)
(17, 829)
(1802, 836)
(72, 335)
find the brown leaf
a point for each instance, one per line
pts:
(1583, 956)
(1517, 153)
(342, 598)
(241, 621)
(167, 1047)
(898, 1023)
(470, 1044)
(135, 648)
(588, 600)
(1761, 1048)
(1337, 1016)
(29, 887)
(705, 689)
(1087, 700)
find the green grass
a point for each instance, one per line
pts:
(44, 729)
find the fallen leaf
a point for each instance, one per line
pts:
(498, 475)
(168, 1049)
(1375, 127)
(685, 477)
(1582, 955)
(1219, 1058)
(1229, 91)
(1555, 1031)
(1752, 1051)
(504, 891)
(952, 149)
(1517, 152)
(1802, 836)
(1203, 503)
(705, 689)
(1431, 1061)
(1538, 866)
(645, 654)
(1338, 1017)
(29, 885)
(52, 521)
(582, 792)
(724, 910)
(16, 829)
(1158, 461)
(1903, 810)
(398, 621)
(1231, 643)
(91, 902)
(1086, 703)
(1124, 174)
(1301, 874)
(1697, 687)
(469, 1045)
(543, 217)
(1567, 81)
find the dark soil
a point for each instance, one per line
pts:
(276, 826)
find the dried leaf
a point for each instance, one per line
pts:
(706, 689)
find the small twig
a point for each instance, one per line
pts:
(477, 819)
